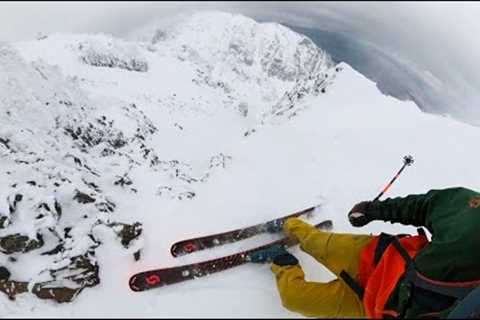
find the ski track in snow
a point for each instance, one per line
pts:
(335, 148)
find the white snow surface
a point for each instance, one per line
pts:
(243, 122)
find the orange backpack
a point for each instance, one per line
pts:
(384, 261)
(380, 279)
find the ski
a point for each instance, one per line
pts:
(161, 277)
(188, 246)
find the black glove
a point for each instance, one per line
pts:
(285, 260)
(274, 226)
(360, 214)
(276, 254)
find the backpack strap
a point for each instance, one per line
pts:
(418, 280)
(402, 251)
(354, 285)
(384, 240)
(444, 289)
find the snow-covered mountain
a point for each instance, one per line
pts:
(111, 149)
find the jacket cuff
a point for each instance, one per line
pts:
(373, 210)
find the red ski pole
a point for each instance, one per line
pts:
(407, 161)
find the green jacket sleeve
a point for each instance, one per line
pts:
(433, 210)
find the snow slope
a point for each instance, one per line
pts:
(214, 126)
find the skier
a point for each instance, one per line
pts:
(387, 276)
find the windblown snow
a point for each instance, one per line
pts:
(109, 147)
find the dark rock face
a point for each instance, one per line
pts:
(127, 232)
(57, 194)
(82, 272)
(19, 243)
(99, 60)
(83, 197)
(112, 54)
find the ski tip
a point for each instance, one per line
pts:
(132, 284)
(317, 208)
(309, 212)
(327, 225)
(182, 248)
(146, 280)
(173, 250)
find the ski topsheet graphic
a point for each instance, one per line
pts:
(165, 276)
(209, 241)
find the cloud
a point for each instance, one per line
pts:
(429, 40)
(435, 42)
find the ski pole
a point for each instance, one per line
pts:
(407, 161)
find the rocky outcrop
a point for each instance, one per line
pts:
(85, 117)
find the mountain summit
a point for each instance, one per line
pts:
(112, 149)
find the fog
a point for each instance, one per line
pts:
(428, 52)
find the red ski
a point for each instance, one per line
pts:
(162, 277)
(206, 242)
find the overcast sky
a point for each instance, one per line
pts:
(440, 37)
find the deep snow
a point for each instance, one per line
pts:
(335, 148)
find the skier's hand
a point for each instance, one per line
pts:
(359, 215)
(274, 226)
(276, 254)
